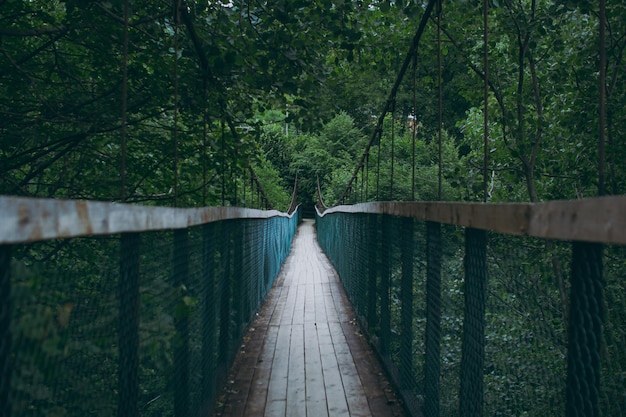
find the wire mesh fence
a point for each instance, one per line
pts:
(473, 323)
(132, 324)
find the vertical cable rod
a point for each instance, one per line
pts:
(175, 133)
(223, 163)
(486, 96)
(124, 105)
(362, 182)
(602, 104)
(440, 99)
(367, 175)
(392, 95)
(205, 134)
(380, 139)
(414, 127)
(393, 144)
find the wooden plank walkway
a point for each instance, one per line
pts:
(304, 355)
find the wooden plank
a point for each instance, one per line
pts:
(331, 311)
(319, 303)
(298, 311)
(259, 386)
(309, 303)
(340, 301)
(355, 395)
(253, 364)
(335, 395)
(296, 382)
(277, 386)
(379, 391)
(592, 220)
(290, 304)
(315, 388)
(277, 313)
(276, 408)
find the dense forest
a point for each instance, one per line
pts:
(167, 103)
(185, 103)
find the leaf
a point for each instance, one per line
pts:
(190, 301)
(63, 314)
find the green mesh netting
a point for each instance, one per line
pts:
(473, 323)
(138, 324)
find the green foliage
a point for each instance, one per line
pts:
(274, 188)
(64, 323)
(61, 93)
(424, 153)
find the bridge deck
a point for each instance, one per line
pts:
(304, 355)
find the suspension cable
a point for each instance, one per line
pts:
(367, 176)
(175, 133)
(392, 94)
(260, 190)
(380, 139)
(393, 140)
(413, 126)
(251, 190)
(486, 97)
(440, 98)
(233, 177)
(124, 105)
(602, 104)
(362, 182)
(205, 140)
(223, 164)
(294, 196)
(243, 186)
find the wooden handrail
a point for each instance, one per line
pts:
(601, 219)
(34, 219)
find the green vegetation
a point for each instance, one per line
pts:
(200, 87)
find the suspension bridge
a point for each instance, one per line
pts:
(159, 303)
(366, 308)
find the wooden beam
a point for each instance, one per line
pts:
(601, 219)
(35, 219)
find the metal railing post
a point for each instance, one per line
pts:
(263, 266)
(385, 276)
(180, 281)
(208, 317)
(247, 259)
(361, 223)
(238, 290)
(473, 345)
(585, 330)
(361, 264)
(372, 256)
(406, 297)
(128, 345)
(5, 330)
(225, 294)
(432, 357)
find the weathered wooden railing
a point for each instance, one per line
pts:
(491, 309)
(119, 309)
